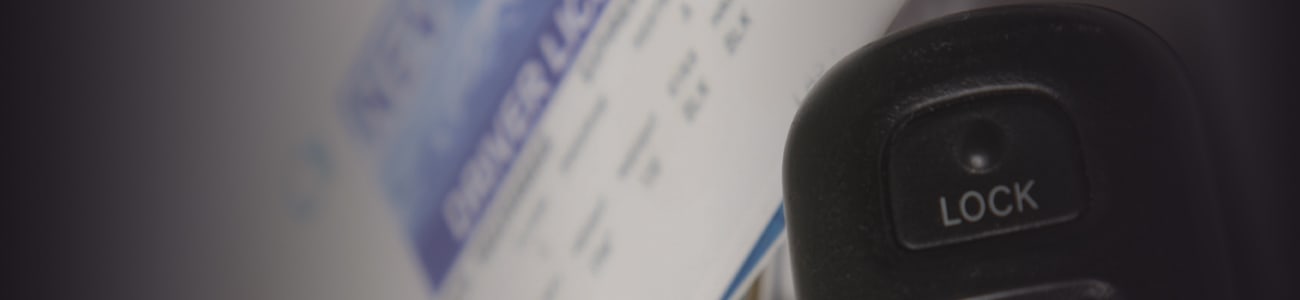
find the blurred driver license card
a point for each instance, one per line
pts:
(563, 149)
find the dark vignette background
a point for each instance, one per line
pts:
(116, 122)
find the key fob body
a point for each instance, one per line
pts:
(1016, 152)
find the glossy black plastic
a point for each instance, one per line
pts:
(1150, 228)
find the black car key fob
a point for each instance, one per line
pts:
(1016, 152)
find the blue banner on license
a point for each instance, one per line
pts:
(443, 97)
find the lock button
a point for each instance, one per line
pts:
(982, 167)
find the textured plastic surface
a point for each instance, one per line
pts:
(1149, 229)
